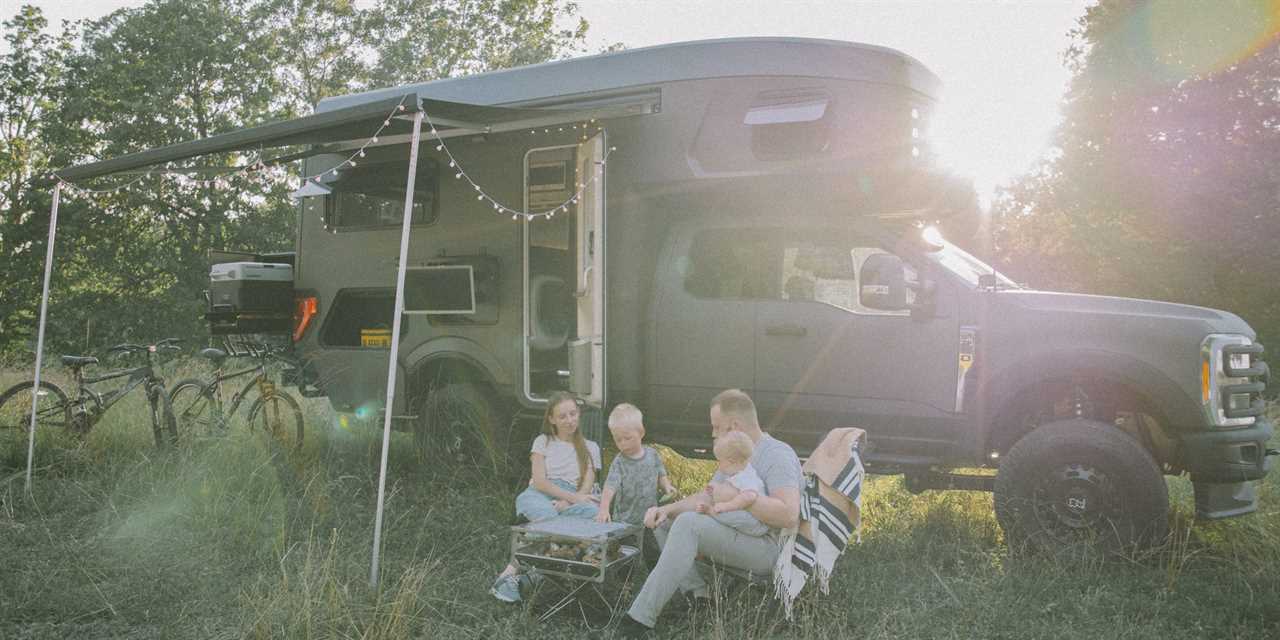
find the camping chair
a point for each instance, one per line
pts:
(833, 481)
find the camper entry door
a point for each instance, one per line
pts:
(564, 343)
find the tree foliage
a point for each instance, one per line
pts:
(131, 263)
(1166, 178)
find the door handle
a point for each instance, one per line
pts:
(794, 330)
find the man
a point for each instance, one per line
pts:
(683, 534)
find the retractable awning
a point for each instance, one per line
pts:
(330, 129)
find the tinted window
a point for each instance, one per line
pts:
(729, 263)
(372, 196)
(361, 318)
(787, 125)
(780, 264)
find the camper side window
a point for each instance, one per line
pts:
(787, 125)
(372, 197)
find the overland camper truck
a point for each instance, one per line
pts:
(756, 213)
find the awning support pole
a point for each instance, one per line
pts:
(395, 342)
(44, 309)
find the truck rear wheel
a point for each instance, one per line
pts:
(1081, 483)
(463, 423)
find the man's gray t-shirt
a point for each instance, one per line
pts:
(777, 464)
(635, 483)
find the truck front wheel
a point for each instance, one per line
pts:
(1079, 482)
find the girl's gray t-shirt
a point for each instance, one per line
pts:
(635, 485)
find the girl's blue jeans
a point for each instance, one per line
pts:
(536, 505)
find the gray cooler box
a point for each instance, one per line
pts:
(250, 297)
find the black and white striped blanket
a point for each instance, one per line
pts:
(830, 515)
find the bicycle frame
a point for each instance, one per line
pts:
(105, 400)
(265, 386)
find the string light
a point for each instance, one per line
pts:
(498, 207)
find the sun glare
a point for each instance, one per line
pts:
(991, 139)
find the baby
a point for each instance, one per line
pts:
(735, 485)
(636, 473)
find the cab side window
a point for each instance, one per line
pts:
(727, 264)
(826, 267)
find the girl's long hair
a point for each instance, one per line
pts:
(579, 442)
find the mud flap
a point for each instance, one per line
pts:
(1217, 500)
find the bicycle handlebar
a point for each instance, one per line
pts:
(168, 344)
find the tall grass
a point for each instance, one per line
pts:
(234, 538)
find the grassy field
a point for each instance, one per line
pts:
(226, 540)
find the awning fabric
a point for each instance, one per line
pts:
(354, 123)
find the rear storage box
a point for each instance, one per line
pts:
(250, 297)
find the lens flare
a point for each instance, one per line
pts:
(1190, 39)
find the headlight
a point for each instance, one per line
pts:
(1239, 360)
(1229, 395)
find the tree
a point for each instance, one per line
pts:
(1166, 178)
(132, 262)
(420, 40)
(31, 73)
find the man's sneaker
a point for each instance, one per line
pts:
(629, 627)
(506, 588)
(685, 604)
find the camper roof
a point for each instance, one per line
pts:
(562, 82)
(604, 85)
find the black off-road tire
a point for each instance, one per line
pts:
(1080, 483)
(465, 423)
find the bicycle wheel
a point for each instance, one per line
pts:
(196, 411)
(163, 424)
(15, 407)
(279, 417)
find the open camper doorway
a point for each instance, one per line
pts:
(564, 271)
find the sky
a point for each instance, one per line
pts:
(1000, 60)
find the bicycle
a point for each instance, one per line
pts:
(78, 414)
(199, 407)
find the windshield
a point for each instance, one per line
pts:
(963, 264)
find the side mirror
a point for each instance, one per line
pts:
(883, 283)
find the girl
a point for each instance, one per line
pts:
(563, 465)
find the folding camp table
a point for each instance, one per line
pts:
(579, 555)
